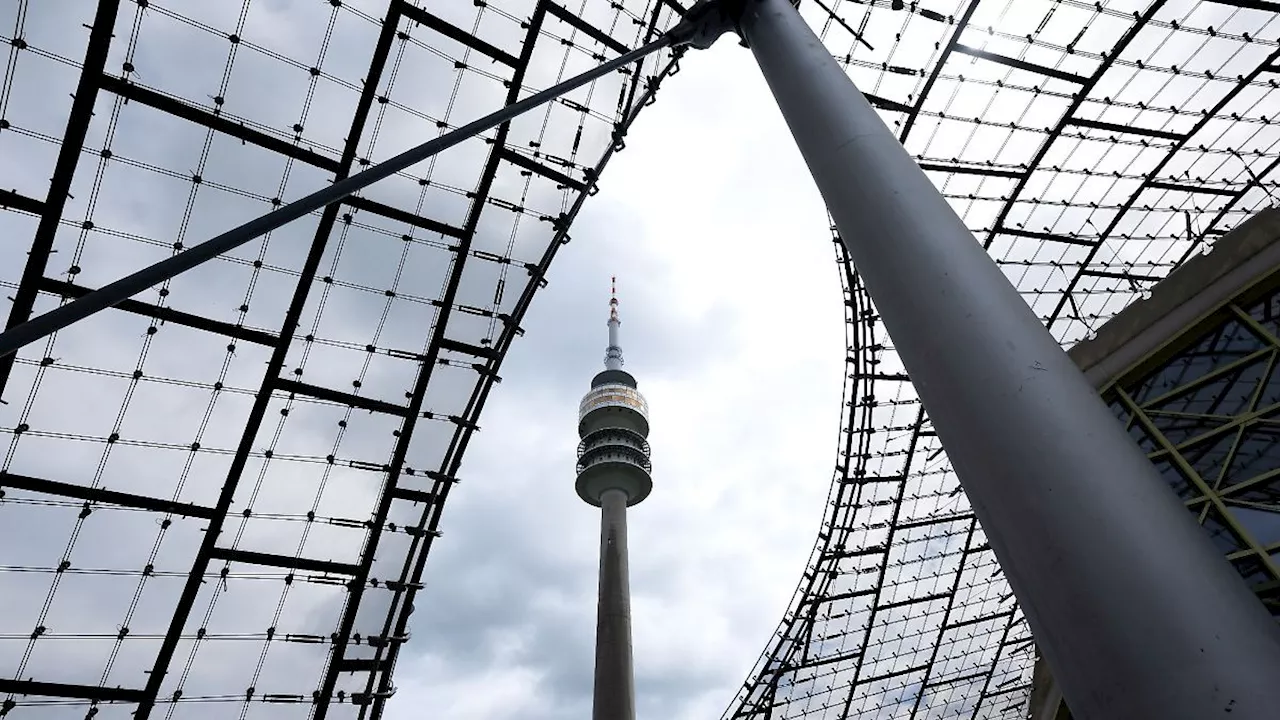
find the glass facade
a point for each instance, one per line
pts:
(1207, 411)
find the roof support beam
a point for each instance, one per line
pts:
(103, 495)
(982, 618)
(890, 675)
(1022, 64)
(837, 597)
(534, 166)
(953, 680)
(888, 377)
(467, 348)
(360, 664)
(200, 116)
(342, 398)
(1000, 646)
(973, 170)
(1266, 5)
(1178, 187)
(283, 561)
(946, 617)
(11, 199)
(64, 170)
(1128, 129)
(422, 17)
(886, 104)
(83, 692)
(829, 660)
(422, 496)
(1116, 275)
(165, 314)
(404, 216)
(1050, 237)
(587, 28)
(914, 600)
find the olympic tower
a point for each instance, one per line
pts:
(613, 474)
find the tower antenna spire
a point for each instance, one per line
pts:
(613, 353)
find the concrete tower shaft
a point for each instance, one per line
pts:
(614, 696)
(613, 473)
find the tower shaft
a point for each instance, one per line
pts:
(614, 679)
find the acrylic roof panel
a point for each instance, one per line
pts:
(310, 394)
(1091, 148)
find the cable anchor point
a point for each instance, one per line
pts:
(705, 22)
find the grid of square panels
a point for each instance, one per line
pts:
(903, 610)
(1091, 147)
(218, 497)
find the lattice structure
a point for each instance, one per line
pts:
(217, 499)
(1091, 147)
(1207, 416)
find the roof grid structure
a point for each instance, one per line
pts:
(231, 513)
(1091, 147)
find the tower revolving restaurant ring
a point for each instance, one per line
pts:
(613, 422)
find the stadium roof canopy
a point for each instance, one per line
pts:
(1091, 147)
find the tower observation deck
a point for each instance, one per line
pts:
(613, 474)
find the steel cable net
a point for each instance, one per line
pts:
(1091, 148)
(217, 498)
(310, 395)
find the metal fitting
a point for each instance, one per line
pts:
(705, 22)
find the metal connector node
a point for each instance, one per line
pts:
(705, 22)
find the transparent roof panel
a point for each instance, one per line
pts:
(1091, 148)
(229, 510)
(308, 396)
